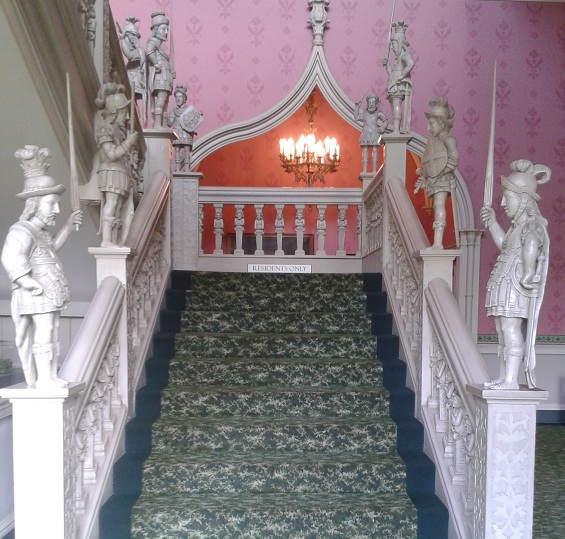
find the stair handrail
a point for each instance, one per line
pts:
(448, 409)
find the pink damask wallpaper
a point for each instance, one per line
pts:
(239, 58)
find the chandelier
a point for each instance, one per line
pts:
(308, 159)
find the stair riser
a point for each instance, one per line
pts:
(324, 302)
(294, 347)
(273, 405)
(301, 285)
(378, 437)
(178, 478)
(375, 523)
(285, 323)
(318, 374)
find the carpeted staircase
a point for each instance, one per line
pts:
(273, 420)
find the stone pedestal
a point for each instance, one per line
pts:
(185, 220)
(394, 155)
(44, 463)
(505, 458)
(159, 155)
(435, 263)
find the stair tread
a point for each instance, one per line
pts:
(323, 501)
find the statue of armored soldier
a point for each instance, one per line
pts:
(113, 166)
(183, 119)
(39, 287)
(161, 73)
(136, 64)
(516, 284)
(399, 83)
(439, 163)
(374, 124)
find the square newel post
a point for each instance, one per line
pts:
(185, 220)
(434, 263)
(505, 442)
(44, 460)
(112, 262)
(394, 165)
(394, 161)
(159, 154)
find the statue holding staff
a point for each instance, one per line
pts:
(161, 72)
(136, 64)
(516, 284)
(39, 287)
(112, 164)
(399, 84)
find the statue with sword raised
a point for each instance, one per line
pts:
(516, 284)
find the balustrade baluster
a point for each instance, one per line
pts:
(239, 223)
(200, 227)
(359, 229)
(341, 226)
(218, 228)
(259, 229)
(299, 227)
(279, 228)
(321, 229)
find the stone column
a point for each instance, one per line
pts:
(44, 459)
(504, 461)
(159, 154)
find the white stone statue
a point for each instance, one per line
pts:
(399, 84)
(161, 73)
(39, 286)
(183, 120)
(374, 124)
(136, 64)
(112, 164)
(516, 284)
(438, 163)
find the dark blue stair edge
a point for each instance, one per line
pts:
(433, 516)
(115, 514)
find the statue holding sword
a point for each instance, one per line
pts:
(516, 284)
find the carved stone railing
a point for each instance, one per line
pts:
(482, 441)
(448, 408)
(241, 220)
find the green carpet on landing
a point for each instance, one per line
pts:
(274, 423)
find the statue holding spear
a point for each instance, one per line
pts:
(516, 284)
(161, 68)
(399, 84)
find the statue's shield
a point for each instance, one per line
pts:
(434, 158)
(190, 119)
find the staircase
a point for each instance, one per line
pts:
(274, 419)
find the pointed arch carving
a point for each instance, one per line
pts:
(317, 73)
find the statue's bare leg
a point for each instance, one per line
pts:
(43, 349)
(108, 219)
(440, 218)
(513, 352)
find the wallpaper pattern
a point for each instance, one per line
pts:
(241, 57)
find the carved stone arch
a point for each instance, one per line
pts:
(317, 73)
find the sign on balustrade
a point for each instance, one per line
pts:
(279, 268)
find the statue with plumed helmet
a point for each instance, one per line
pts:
(39, 286)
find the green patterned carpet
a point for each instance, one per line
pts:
(274, 422)
(549, 493)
